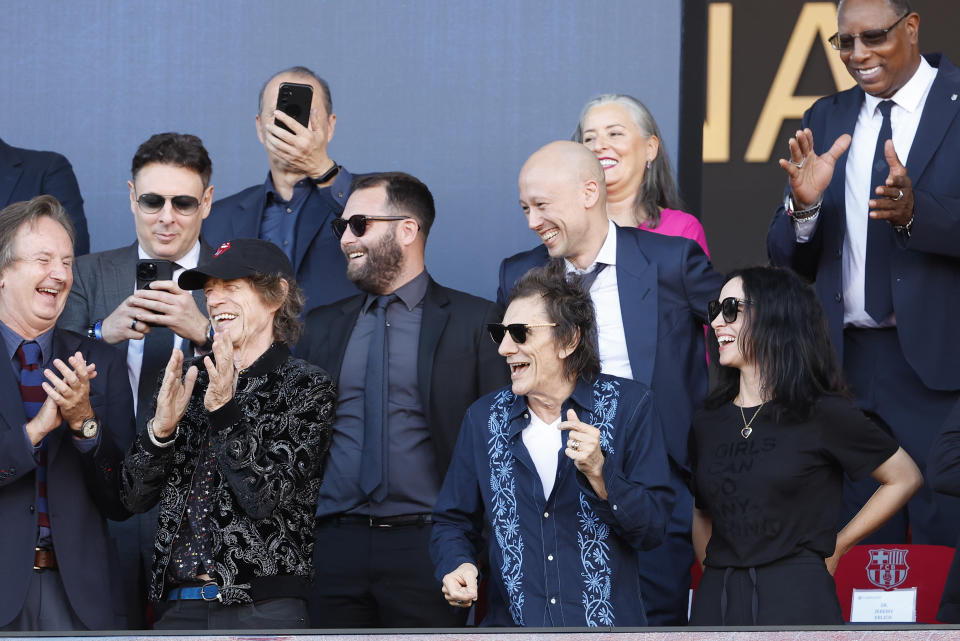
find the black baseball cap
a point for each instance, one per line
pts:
(239, 258)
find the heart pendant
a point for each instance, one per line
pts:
(746, 432)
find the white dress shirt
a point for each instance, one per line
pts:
(614, 359)
(904, 119)
(135, 347)
(543, 441)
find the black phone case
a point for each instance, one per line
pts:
(294, 99)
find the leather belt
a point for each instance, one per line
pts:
(401, 520)
(206, 592)
(44, 559)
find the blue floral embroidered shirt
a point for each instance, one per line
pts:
(569, 560)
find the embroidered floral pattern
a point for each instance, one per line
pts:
(504, 517)
(606, 401)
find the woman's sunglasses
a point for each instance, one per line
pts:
(358, 223)
(518, 331)
(729, 307)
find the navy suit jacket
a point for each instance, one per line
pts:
(457, 363)
(25, 173)
(319, 265)
(82, 489)
(925, 268)
(665, 283)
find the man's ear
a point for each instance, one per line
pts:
(571, 346)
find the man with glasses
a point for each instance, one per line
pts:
(304, 191)
(410, 357)
(650, 293)
(170, 195)
(872, 214)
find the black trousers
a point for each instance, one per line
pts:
(46, 606)
(196, 614)
(369, 577)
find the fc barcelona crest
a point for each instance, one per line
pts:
(887, 568)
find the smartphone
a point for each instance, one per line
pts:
(149, 270)
(294, 99)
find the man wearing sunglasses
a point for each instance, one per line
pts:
(650, 293)
(304, 191)
(170, 195)
(409, 356)
(872, 214)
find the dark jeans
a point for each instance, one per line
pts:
(377, 578)
(196, 614)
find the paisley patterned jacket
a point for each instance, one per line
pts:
(270, 443)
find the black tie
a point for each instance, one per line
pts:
(877, 293)
(587, 279)
(373, 460)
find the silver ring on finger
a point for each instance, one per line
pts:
(574, 445)
(798, 165)
(133, 324)
(899, 195)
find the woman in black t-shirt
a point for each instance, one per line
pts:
(769, 451)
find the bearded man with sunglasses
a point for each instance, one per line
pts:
(409, 356)
(170, 196)
(872, 214)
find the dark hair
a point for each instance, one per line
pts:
(405, 194)
(183, 150)
(300, 71)
(658, 188)
(28, 212)
(785, 333)
(568, 305)
(286, 322)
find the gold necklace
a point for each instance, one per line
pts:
(747, 430)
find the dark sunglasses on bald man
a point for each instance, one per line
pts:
(729, 307)
(868, 38)
(152, 203)
(358, 223)
(518, 331)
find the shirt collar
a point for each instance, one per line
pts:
(273, 195)
(582, 398)
(607, 254)
(270, 360)
(911, 94)
(411, 292)
(12, 340)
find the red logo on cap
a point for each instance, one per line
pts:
(222, 248)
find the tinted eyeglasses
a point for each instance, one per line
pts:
(152, 203)
(518, 331)
(729, 307)
(358, 223)
(869, 38)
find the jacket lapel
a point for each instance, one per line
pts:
(245, 225)
(848, 109)
(432, 324)
(11, 173)
(339, 335)
(939, 112)
(638, 290)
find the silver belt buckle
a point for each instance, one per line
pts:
(216, 592)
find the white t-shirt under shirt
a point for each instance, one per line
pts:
(543, 441)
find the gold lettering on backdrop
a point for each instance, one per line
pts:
(816, 19)
(716, 126)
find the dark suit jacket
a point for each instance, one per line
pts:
(665, 283)
(319, 265)
(82, 489)
(25, 173)
(457, 363)
(925, 269)
(102, 281)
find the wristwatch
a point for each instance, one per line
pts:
(88, 429)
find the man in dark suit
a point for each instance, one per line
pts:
(25, 173)
(170, 195)
(65, 420)
(651, 294)
(304, 191)
(872, 214)
(410, 356)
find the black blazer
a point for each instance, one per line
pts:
(457, 363)
(82, 489)
(25, 173)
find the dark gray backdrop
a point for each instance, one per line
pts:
(456, 92)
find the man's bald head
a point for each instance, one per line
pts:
(568, 160)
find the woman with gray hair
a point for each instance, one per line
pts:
(567, 468)
(641, 191)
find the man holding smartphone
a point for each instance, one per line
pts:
(304, 191)
(129, 297)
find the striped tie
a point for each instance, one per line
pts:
(31, 391)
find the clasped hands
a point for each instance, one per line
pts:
(68, 397)
(810, 174)
(163, 304)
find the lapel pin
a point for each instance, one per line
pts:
(953, 97)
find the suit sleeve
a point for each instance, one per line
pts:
(637, 477)
(701, 282)
(936, 225)
(943, 465)
(504, 288)
(76, 313)
(458, 512)
(61, 183)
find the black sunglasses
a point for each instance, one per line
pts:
(358, 223)
(518, 331)
(869, 38)
(729, 307)
(152, 203)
